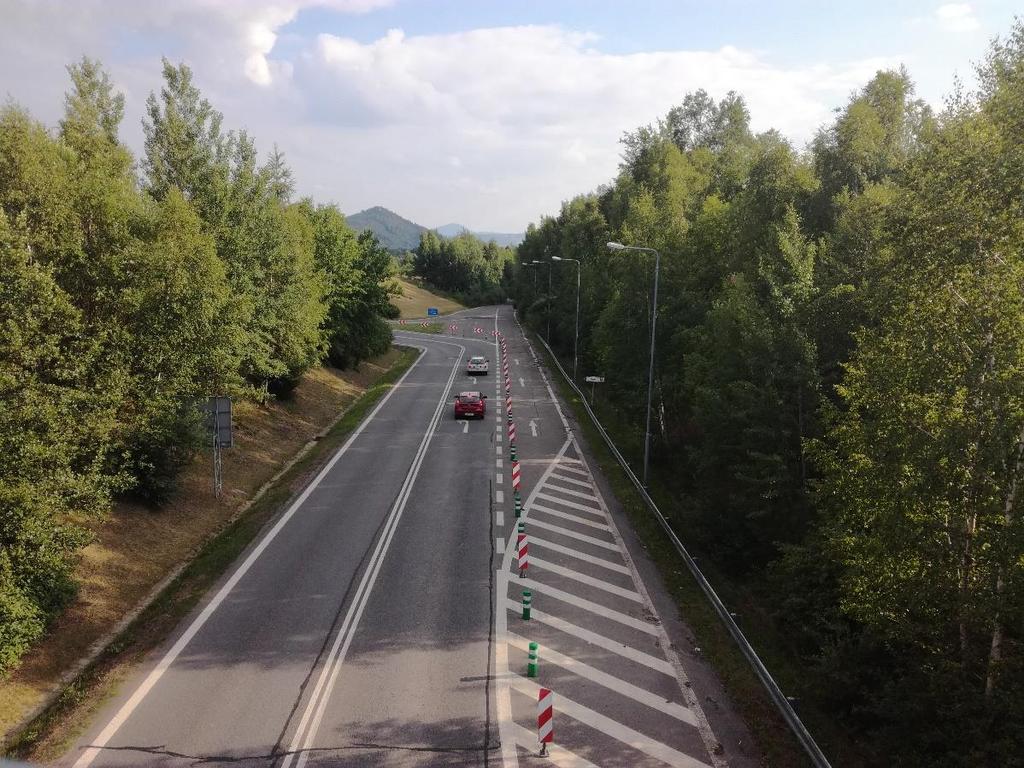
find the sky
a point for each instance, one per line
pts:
(488, 113)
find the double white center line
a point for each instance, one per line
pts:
(305, 734)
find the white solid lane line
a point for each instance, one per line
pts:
(549, 486)
(616, 730)
(564, 479)
(565, 466)
(623, 650)
(575, 553)
(571, 504)
(559, 756)
(588, 605)
(535, 507)
(652, 700)
(573, 535)
(304, 736)
(582, 578)
(87, 757)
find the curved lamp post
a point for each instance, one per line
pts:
(654, 325)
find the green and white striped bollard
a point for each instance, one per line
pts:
(527, 604)
(531, 663)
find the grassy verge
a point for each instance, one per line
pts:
(416, 298)
(777, 743)
(52, 732)
(419, 328)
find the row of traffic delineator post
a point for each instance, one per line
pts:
(545, 698)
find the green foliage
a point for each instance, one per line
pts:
(473, 271)
(359, 287)
(124, 306)
(54, 434)
(837, 393)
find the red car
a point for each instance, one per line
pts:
(469, 404)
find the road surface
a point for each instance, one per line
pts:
(378, 622)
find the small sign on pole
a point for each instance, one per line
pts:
(432, 311)
(592, 380)
(217, 420)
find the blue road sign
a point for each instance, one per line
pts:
(432, 311)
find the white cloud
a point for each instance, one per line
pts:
(489, 127)
(957, 17)
(534, 112)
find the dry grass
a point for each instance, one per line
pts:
(416, 299)
(136, 547)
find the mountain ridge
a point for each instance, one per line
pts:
(399, 234)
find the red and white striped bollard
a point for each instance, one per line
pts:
(522, 552)
(545, 718)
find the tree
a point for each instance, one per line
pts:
(870, 142)
(184, 145)
(54, 433)
(92, 110)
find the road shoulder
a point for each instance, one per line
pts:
(739, 748)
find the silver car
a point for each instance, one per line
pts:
(477, 366)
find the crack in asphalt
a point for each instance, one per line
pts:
(233, 759)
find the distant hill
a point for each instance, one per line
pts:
(399, 235)
(501, 238)
(393, 232)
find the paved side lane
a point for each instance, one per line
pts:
(621, 696)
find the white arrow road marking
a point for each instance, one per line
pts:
(516, 360)
(521, 382)
(533, 427)
(465, 425)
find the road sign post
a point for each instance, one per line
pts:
(592, 380)
(217, 420)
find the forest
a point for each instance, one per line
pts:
(464, 266)
(132, 290)
(838, 423)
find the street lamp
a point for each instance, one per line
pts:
(654, 325)
(576, 339)
(530, 264)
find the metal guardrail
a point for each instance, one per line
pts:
(782, 704)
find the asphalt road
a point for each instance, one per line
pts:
(375, 623)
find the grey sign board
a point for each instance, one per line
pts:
(217, 415)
